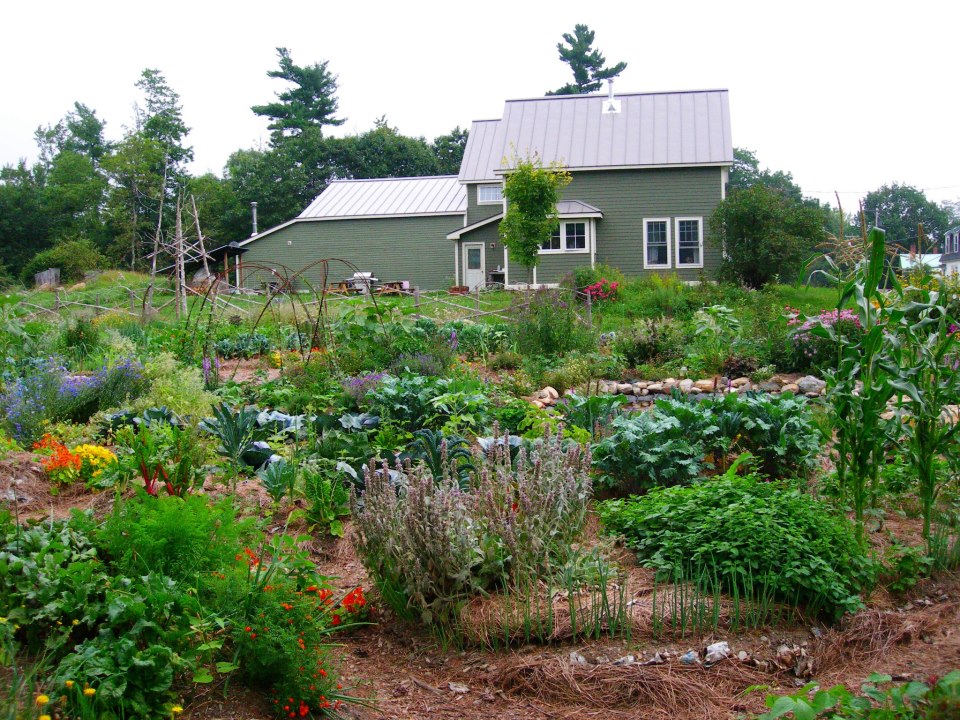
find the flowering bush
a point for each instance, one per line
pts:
(282, 634)
(358, 387)
(46, 393)
(602, 290)
(811, 351)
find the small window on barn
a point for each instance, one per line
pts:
(490, 194)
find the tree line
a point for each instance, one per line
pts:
(109, 199)
(105, 202)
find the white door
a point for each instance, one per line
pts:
(474, 265)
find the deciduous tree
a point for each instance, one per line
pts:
(532, 192)
(765, 234)
(900, 209)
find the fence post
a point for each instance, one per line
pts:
(589, 309)
(478, 298)
(132, 303)
(416, 300)
(57, 306)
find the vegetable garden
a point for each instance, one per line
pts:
(360, 509)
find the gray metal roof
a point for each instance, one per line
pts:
(442, 195)
(651, 130)
(578, 208)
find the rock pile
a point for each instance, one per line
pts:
(809, 385)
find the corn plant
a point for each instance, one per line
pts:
(865, 376)
(929, 381)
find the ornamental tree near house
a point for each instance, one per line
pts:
(532, 192)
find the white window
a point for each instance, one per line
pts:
(656, 243)
(568, 237)
(689, 234)
(489, 194)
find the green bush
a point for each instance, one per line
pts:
(173, 536)
(74, 258)
(174, 386)
(735, 528)
(585, 275)
(651, 340)
(547, 325)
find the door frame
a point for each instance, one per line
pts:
(483, 262)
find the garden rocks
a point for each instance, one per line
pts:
(810, 384)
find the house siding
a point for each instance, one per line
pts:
(489, 235)
(553, 267)
(476, 212)
(407, 248)
(626, 197)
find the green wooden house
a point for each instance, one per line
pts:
(648, 170)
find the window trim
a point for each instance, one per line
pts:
(588, 238)
(651, 266)
(677, 221)
(498, 201)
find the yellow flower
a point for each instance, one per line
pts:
(176, 709)
(69, 684)
(89, 692)
(44, 717)
(42, 700)
(76, 622)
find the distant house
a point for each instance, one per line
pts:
(950, 260)
(648, 170)
(910, 261)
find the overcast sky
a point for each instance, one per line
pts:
(847, 96)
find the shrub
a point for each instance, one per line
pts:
(433, 545)
(30, 401)
(651, 340)
(586, 275)
(419, 364)
(547, 325)
(506, 360)
(173, 536)
(74, 258)
(810, 350)
(174, 386)
(79, 339)
(739, 527)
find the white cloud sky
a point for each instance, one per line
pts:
(845, 95)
